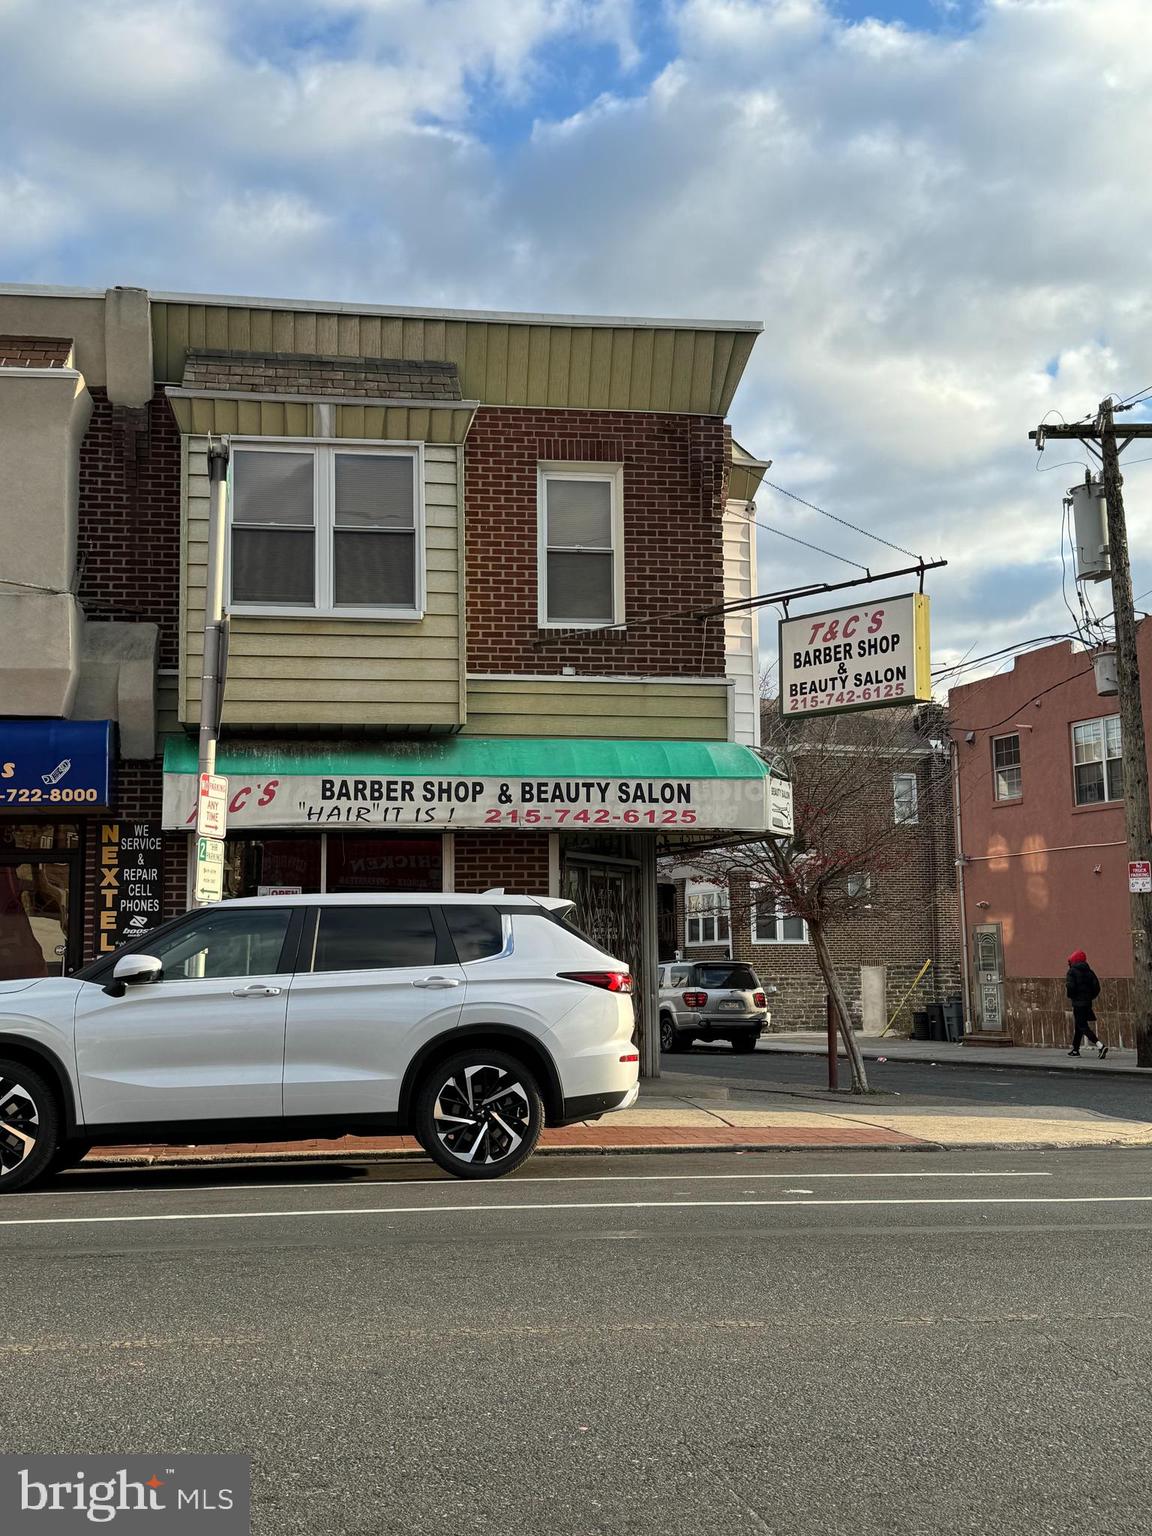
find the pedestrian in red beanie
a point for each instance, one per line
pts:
(1083, 988)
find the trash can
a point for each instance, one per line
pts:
(920, 1029)
(954, 1018)
(936, 1021)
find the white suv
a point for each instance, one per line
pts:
(468, 1021)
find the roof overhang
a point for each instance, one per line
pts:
(237, 413)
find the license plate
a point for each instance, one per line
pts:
(733, 1007)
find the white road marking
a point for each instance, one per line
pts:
(566, 1205)
(577, 1178)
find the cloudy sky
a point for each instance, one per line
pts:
(940, 210)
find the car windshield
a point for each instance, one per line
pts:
(741, 977)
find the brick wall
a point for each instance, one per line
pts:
(129, 535)
(287, 373)
(518, 861)
(1036, 1011)
(129, 565)
(35, 351)
(675, 472)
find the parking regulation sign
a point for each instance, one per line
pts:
(209, 869)
(1140, 877)
(212, 806)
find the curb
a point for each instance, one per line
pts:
(969, 1066)
(273, 1159)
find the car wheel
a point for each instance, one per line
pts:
(746, 1040)
(479, 1114)
(29, 1126)
(670, 1037)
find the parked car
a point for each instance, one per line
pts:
(468, 1021)
(711, 1000)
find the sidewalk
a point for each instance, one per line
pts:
(896, 1048)
(684, 1113)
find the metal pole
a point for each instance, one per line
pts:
(649, 978)
(213, 602)
(965, 971)
(833, 1046)
(1137, 815)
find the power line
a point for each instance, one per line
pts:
(1050, 689)
(792, 539)
(843, 521)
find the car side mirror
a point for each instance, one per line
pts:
(133, 971)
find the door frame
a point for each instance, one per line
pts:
(74, 859)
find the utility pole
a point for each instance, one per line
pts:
(1101, 437)
(214, 604)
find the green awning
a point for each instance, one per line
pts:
(510, 757)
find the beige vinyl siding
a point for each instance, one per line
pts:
(261, 416)
(741, 642)
(561, 706)
(599, 366)
(335, 672)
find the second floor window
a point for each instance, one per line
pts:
(1006, 766)
(905, 799)
(326, 530)
(1097, 768)
(581, 547)
(706, 908)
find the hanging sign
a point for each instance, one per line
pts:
(869, 656)
(130, 888)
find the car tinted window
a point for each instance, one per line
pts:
(682, 977)
(376, 938)
(476, 931)
(739, 976)
(223, 943)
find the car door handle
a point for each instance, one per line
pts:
(257, 989)
(431, 983)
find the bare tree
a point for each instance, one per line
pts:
(854, 834)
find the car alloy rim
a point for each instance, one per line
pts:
(19, 1125)
(482, 1114)
(667, 1035)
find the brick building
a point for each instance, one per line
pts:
(1041, 834)
(893, 924)
(475, 564)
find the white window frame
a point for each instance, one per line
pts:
(1017, 767)
(780, 914)
(721, 908)
(613, 474)
(1104, 760)
(914, 819)
(325, 449)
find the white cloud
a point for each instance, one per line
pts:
(945, 234)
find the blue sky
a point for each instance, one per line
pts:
(885, 183)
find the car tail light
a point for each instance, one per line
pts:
(695, 999)
(759, 999)
(610, 981)
(635, 1056)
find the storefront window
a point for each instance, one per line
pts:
(39, 837)
(273, 866)
(367, 862)
(341, 863)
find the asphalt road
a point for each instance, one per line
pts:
(783, 1343)
(1127, 1097)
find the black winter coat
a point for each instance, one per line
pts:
(1082, 985)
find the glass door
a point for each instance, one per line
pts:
(40, 898)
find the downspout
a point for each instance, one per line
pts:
(965, 973)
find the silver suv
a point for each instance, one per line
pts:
(711, 1000)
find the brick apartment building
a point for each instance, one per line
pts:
(896, 923)
(478, 555)
(1044, 858)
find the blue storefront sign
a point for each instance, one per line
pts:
(55, 763)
